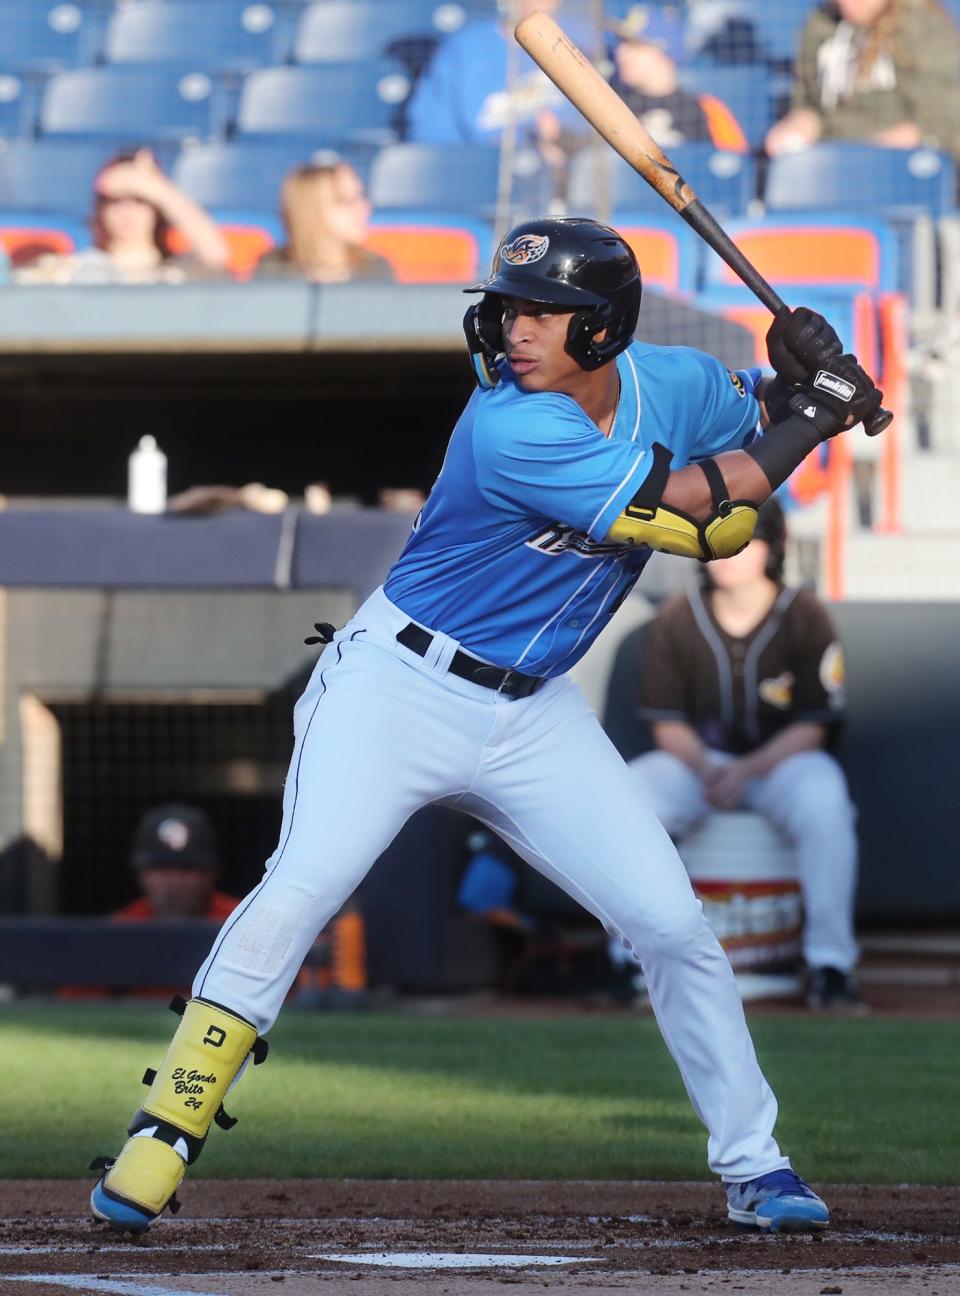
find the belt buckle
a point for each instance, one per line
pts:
(509, 675)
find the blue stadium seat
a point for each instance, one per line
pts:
(340, 102)
(133, 104)
(44, 33)
(246, 175)
(212, 37)
(747, 91)
(862, 178)
(779, 24)
(336, 31)
(453, 179)
(50, 175)
(725, 182)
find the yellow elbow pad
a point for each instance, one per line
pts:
(645, 520)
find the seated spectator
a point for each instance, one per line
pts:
(175, 858)
(647, 78)
(878, 71)
(547, 944)
(326, 214)
(468, 94)
(135, 206)
(743, 683)
(647, 56)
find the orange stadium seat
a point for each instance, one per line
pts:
(24, 242)
(853, 315)
(425, 250)
(668, 253)
(826, 252)
(247, 237)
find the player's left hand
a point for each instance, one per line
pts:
(799, 342)
(724, 786)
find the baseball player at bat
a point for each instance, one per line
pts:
(580, 453)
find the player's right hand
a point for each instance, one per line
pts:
(838, 395)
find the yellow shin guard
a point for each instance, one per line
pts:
(168, 1132)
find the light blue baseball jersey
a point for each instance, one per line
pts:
(508, 555)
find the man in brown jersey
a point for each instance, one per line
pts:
(743, 684)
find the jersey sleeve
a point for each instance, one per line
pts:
(819, 694)
(541, 457)
(663, 685)
(722, 402)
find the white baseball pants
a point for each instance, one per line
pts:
(806, 797)
(380, 732)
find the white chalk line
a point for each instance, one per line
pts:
(93, 1249)
(108, 1286)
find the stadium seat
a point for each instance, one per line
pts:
(26, 235)
(44, 34)
(334, 31)
(453, 178)
(248, 235)
(862, 178)
(746, 90)
(246, 174)
(852, 314)
(779, 25)
(724, 181)
(668, 251)
(227, 35)
(50, 175)
(822, 250)
(127, 104)
(340, 102)
(431, 247)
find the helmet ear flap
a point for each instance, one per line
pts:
(482, 327)
(581, 344)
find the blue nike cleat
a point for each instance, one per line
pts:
(779, 1202)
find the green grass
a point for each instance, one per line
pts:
(404, 1096)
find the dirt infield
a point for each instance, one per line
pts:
(245, 1238)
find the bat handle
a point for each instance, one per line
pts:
(879, 423)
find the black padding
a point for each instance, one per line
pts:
(259, 1050)
(178, 1005)
(149, 1076)
(648, 497)
(222, 1120)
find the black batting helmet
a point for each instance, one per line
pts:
(567, 261)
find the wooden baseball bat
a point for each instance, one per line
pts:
(576, 77)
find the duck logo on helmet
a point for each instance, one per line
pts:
(525, 249)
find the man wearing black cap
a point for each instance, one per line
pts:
(175, 856)
(743, 683)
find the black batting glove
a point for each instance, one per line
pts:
(837, 395)
(799, 342)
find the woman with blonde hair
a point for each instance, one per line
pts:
(882, 72)
(326, 214)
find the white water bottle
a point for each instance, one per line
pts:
(147, 478)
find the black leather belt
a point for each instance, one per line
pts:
(509, 682)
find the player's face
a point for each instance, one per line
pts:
(177, 892)
(862, 12)
(346, 212)
(745, 568)
(534, 339)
